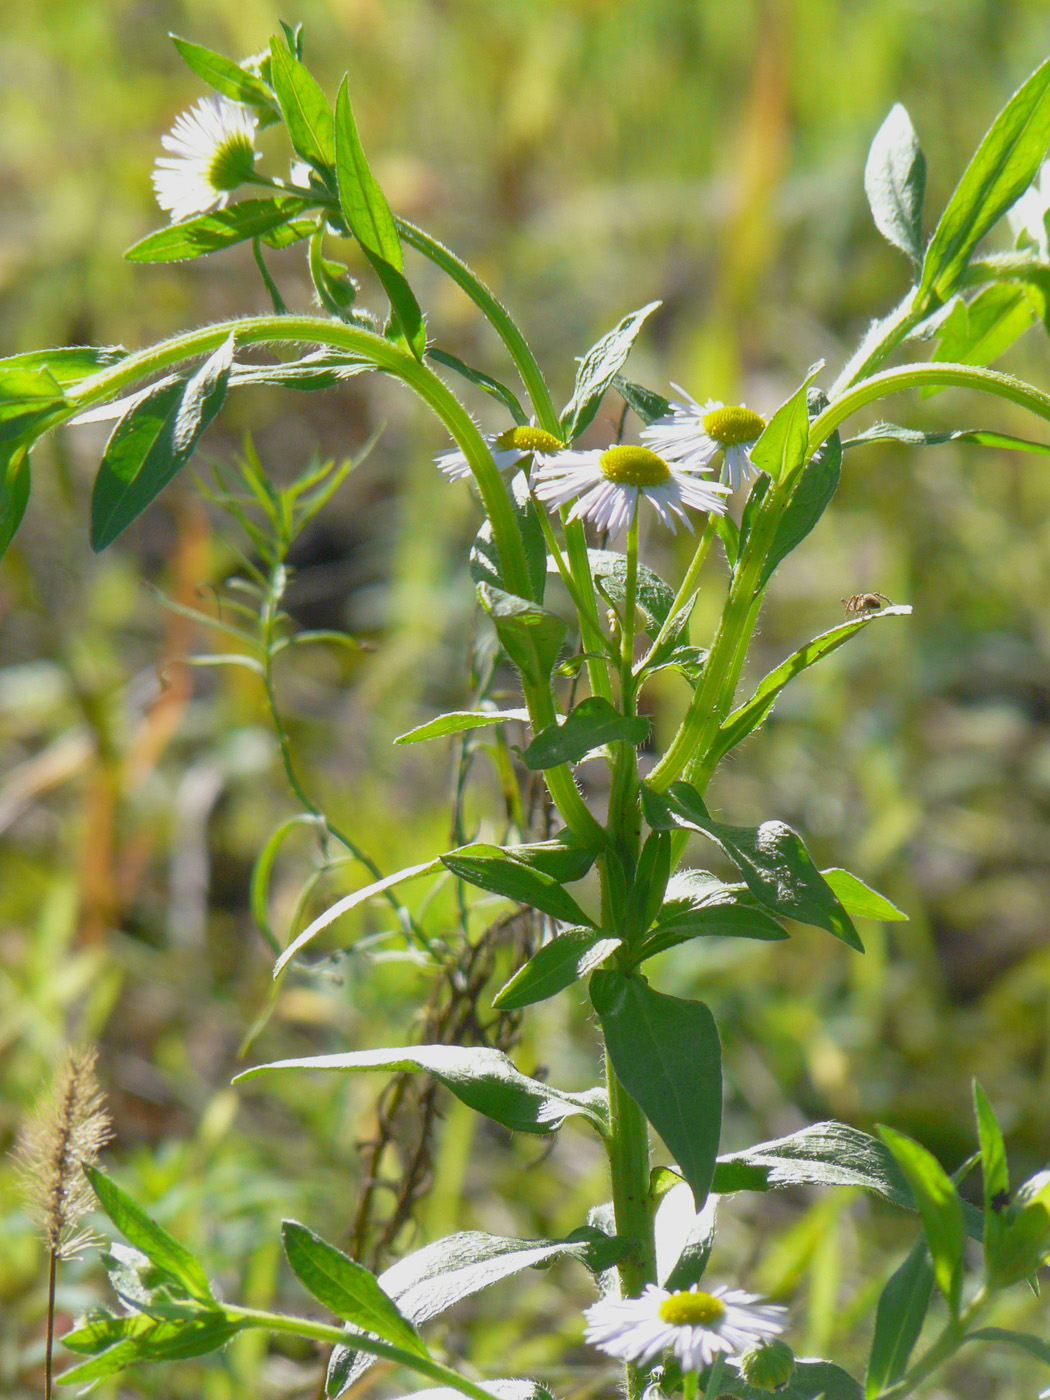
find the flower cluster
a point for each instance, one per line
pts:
(669, 470)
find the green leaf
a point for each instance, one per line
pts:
(456, 721)
(666, 1053)
(14, 490)
(563, 858)
(913, 437)
(1004, 165)
(698, 905)
(860, 900)
(99, 1330)
(651, 875)
(31, 400)
(159, 1341)
(207, 233)
(895, 183)
(433, 1279)
(153, 440)
(589, 725)
(477, 377)
(154, 1241)
(781, 449)
(485, 566)
(492, 868)
(66, 365)
(304, 106)
(346, 1288)
(747, 717)
(901, 1312)
(368, 215)
(816, 484)
(485, 1080)
(978, 331)
(654, 598)
(939, 1209)
(996, 1179)
(557, 965)
(689, 1235)
(225, 76)
(597, 370)
(1034, 1346)
(646, 403)
(531, 636)
(824, 1154)
(352, 901)
(772, 858)
(1024, 1242)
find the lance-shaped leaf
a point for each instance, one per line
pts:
(485, 1080)
(747, 717)
(481, 380)
(458, 721)
(940, 1210)
(895, 183)
(67, 364)
(1023, 1341)
(157, 1341)
(368, 215)
(814, 487)
(208, 233)
(589, 725)
(14, 490)
(154, 439)
(433, 1279)
(562, 858)
(684, 1237)
(978, 331)
(699, 905)
(346, 1288)
(653, 597)
(597, 370)
(227, 77)
(348, 902)
(31, 400)
(530, 635)
(913, 437)
(996, 1178)
(901, 1312)
(667, 1055)
(772, 858)
(824, 1154)
(152, 1239)
(646, 403)
(557, 965)
(493, 869)
(859, 900)
(305, 108)
(781, 449)
(1002, 168)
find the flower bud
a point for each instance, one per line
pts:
(768, 1366)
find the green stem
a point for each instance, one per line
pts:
(324, 1332)
(685, 591)
(49, 1345)
(590, 623)
(714, 1380)
(881, 339)
(628, 1147)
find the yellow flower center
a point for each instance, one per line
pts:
(692, 1309)
(731, 425)
(634, 466)
(529, 440)
(232, 163)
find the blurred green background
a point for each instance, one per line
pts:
(585, 156)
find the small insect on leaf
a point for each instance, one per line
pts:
(865, 602)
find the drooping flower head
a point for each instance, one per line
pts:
(508, 449)
(212, 152)
(694, 1325)
(606, 487)
(691, 435)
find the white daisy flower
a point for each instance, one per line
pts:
(696, 1326)
(690, 435)
(507, 450)
(1028, 215)
(608, 485)
(212, 152)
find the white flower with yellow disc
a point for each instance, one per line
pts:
(212, 152)
(607, 486)
(508, 449)
(691, 435)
